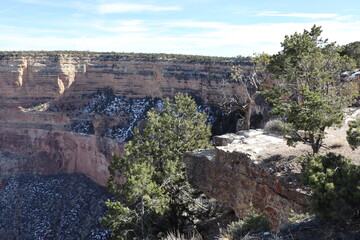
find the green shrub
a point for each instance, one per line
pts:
(235, 230)
(274, 126)
(256, 222)
(252, 222)
(353, 134)
(335, 185)
(297, 217)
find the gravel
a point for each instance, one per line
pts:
(61, 206)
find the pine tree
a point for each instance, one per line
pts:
(310, 94)
(335, 185)
(156, 194)
(353, 50)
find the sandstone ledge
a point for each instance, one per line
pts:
(240, 177)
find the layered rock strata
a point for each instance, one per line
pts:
(68, 112)
(28, 78)
(245, 173)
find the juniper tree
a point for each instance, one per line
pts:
(335, 185)
(240, 91)
(156, 195)
(310, 94)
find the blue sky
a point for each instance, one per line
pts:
(199, 27)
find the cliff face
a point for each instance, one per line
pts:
(250, 171)
(66, 113)
(32, 78)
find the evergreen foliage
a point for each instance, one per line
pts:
(310, 93)
(353, 51)
(353, 134)
(240, 91)
(234, 230)
(114, 56)
(335, 185)
(256, 222)
(252, 222)
(156, 194)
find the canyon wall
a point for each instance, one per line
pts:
(68, 112)
(30, 78)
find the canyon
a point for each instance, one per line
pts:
(63, 115)
(68, 112)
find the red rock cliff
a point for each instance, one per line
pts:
(42, 99)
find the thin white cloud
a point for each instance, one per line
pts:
(122, 26)
(142, 26)
(193, 24)
(133, 7)
(298, 15)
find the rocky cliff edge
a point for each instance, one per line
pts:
(250, 170)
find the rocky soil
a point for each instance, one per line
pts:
(309, 229)
(59, 206)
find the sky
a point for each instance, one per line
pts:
(197, 27)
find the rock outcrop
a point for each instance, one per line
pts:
(246, 172)
(52, 151)
(68, 112)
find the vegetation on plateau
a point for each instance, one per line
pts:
(352, 50)
(335, 185)
(334, 182)
(114, 56)
(310, 93)
(252, 222)
(310, 97)
(353, 134)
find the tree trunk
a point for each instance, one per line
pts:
(315, 148)
(248, 110)
(246, 124)
(315, 145)
(142, 218)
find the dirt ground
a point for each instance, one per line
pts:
(270, 151)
